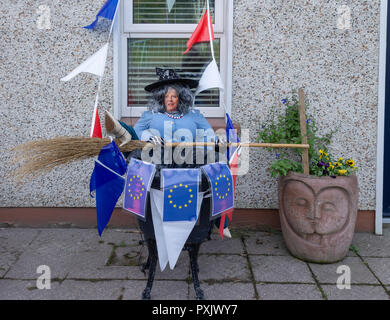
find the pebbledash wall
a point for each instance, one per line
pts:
(278, 46)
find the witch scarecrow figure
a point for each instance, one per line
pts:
(171, 118)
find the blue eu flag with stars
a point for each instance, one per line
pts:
(138, 181)
(221, 182)
(180, 188)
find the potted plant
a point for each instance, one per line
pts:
(317, 210)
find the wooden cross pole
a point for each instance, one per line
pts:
(302, 118)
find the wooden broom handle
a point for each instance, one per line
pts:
(232, 144)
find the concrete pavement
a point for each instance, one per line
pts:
(253, 265)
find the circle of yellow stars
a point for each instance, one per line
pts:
(186, 204)
(134, 194)
(218, 193)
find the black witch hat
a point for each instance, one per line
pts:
(168, 76)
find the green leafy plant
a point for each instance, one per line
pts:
(286, 129)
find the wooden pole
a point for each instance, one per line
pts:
(233, 144)
(302, 118)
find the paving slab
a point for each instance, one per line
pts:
(127, 262)
(109, 267)
(351, 253)
(372, 245)
(179, 272)
(88, 264)
(12, 244)
(381, 268)
(280, 269)
(63, 250)
(225, 291)
(275, 291)
(225, 245)
(26, 290)
(357, 292)
(227, 267)
(266, 243)
(327, 273)
(121, 237)
(161, 290)
(90, 290)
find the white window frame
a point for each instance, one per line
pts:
(128, 25)
(379, 220)
(122, 32)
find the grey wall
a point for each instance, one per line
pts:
(278, 46)
(283, 45)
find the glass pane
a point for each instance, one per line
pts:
(170, 11)
(144, 55)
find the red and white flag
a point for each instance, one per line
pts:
(96, 128)
(201, 33)
(233, 163)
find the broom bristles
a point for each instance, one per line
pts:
(36, 157)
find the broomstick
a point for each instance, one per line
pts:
(39, 156)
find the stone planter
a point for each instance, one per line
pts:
(318, 215)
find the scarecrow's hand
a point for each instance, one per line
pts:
(220, 143)
(156, 140)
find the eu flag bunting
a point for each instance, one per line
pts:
(221, 182)
(180, 188)
(107, 11)
(138, 180)
(231, 136)
(108, 182)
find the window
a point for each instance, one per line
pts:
(154, 34)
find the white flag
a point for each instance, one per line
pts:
(170, 236)
(210, 78)
(94, 64)
(170, 4)
(156, 205)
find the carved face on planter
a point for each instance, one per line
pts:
(318, 212)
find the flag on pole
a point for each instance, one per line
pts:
(94, 64)
(201, 33)
(231, 136)
(96, 131)
(232, 154)
(170, 4)
(210, 78)
(108, 182)
(138, 181)
(233, 169)
(107, 11)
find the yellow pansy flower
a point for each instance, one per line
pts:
(342, 172)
